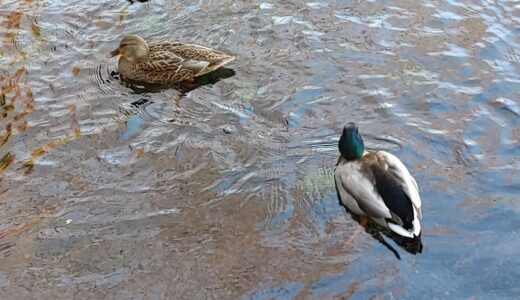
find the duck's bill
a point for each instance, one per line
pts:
(114, 53)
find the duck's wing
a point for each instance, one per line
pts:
(400, 173)
(359, 183)
(196, 52)
(398, 190)
(163, 66)
(201, 60)
(165, 46)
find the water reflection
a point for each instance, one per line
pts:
(133, 114)
(236, 197)
(412, 246)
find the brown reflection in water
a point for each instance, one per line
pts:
(12, 25)
(16, 96)
(76, 132)
(16, 102)
(6, 161)
(112, 246)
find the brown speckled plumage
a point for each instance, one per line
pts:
(166, 62)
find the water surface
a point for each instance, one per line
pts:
(112, 191)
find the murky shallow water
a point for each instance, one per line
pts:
(111, 192)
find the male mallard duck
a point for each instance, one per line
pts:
(166, 62)
(377, 185)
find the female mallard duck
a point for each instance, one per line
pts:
(165, 62)
(377, 185)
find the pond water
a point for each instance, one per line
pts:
(108, 191)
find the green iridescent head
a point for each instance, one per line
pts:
(351, 144)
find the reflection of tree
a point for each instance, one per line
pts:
(16, 96)
(12, 25)
(14, 90)
(316, 183)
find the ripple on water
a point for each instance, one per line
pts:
(127, 184)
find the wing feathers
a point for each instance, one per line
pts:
(393, 196)
(361, 188)
(196, 52)
(400, 172)
(195, 65)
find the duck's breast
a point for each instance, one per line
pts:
(127, 69)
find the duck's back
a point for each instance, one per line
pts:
(162, 66)
(163, 46)
(201, 60)
(379, 184)
(398, 171)
(388, 185)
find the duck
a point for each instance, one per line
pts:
(165, 62)
(377, 186)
